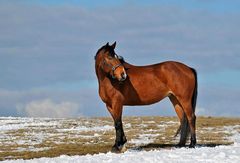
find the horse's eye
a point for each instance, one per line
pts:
(109, 57)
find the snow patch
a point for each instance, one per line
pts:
(88, 129)
(144, 139)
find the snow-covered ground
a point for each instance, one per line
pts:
(218, 154)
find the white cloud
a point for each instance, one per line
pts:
(49, 108)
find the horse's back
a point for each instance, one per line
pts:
(168, 70)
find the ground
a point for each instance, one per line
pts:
(84, 138)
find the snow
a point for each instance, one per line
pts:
(144, 139)
(87, 129)
(218, 154)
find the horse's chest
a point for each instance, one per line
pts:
(105, 93)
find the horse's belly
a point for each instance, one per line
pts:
(137, 103)
(144, 89)
(146, 97)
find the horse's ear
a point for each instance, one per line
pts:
(114, 45)
(107, 44)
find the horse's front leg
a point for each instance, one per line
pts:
(116, 112)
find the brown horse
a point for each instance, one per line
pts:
(121, 83)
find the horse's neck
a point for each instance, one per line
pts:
(102, 77)
(104, 85)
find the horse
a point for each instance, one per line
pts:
(123, 84)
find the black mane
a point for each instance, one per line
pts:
(121, 60)
(103, 47)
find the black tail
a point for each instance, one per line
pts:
(194, 97)
(184, 129)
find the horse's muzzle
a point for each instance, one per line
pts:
(123, 76)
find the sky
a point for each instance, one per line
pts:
(47, 50)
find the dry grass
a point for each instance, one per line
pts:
(55, 142)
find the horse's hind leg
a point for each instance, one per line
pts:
(189, 112)
(183, 127)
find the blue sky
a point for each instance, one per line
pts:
(47, 50)
(211, 5)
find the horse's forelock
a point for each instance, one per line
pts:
(111, 52)
(99, 50)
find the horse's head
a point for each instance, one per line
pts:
(110, 62)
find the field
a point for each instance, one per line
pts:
(27, 138)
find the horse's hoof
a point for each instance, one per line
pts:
(179, 145)
(115, 149)
(192, 146)
(120, 149)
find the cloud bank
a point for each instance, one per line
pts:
(48, 108)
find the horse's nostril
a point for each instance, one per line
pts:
(124, 75)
